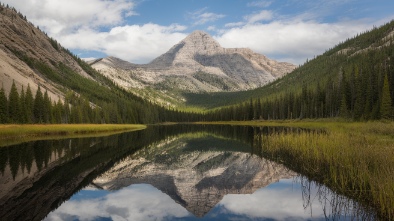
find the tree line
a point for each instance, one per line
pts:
(363, 89)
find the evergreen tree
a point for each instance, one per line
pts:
(250, 110)
(3, 107)
(14, 111)
(343, 111)
(38, 110)
(22, 104)
(29, 105)
(386, 104)
(66, 112)
(57, 112)
(47, 108)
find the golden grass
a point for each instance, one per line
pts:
(15, 133)
(353, 158)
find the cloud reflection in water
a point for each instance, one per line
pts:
(279, 201)
(136, 202)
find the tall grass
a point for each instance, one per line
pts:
(355, 159)
(14, 131)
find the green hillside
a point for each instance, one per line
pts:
(353, 80)
(368, 51)
(93, 99)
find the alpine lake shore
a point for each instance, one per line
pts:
(355, 159)
(18, 133)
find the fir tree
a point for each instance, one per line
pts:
(343, 111)
(22, 104)
(14, 111)
(38, 107)
(3, 107)
(29, 105)
(47, 105)
(386, 104)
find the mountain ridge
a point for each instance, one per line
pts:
(195, 179)
(197, 64)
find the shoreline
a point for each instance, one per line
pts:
(17, 133)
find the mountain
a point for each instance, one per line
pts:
(28, 57)
(371, 52)
(21, 44)
(196, 64)
(193, 172)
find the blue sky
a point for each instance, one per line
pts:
(140, 30)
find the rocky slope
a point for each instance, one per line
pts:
(21, 44)
(197, 64)
(197, 180)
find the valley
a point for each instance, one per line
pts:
(197, 130)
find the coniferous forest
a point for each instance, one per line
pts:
(26, 108)
(354, 80)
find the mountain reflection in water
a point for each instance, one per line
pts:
(179, 172)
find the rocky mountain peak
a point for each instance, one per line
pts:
(184, 53)
(198, 64)
(201, 42)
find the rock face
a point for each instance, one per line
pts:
(197, 64)
(197, 180)
(19, 38)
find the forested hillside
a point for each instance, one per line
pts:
(353, 80)
(83, 94)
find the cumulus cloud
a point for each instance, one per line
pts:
(284, 34)
(57, 16)
(292, 41)
(137, 202)
(99, 25)
(135, 43)
(263, 15)
(262, 4)
(284, 201)
(201, 16)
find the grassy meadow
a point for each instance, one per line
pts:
(353, 158)
(14, 133)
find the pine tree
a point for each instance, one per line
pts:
(3, 107)
(29, 105)
(386, 111)
(22, 104)
(343, 111)
(38, 110)
(14, 111)
(250, 110)
(47, 105)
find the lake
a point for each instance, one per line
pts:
(176, 172)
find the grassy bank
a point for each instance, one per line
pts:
(16, 133)
(354, 158)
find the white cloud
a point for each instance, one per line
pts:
(263, 15)
(262, 4)
(296, 40)
(234, 24)
(283, 203)
(58, 16)
(211, 28)
(201, 16)
(139, 44)
(98, 25)
(137, 202)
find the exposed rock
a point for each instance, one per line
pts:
(196, 180)
(17, 35)
(197, 64)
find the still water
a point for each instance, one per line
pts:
(179, 172)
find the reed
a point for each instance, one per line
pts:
(355, 159)
(40, 130)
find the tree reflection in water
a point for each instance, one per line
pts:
(37, 177)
